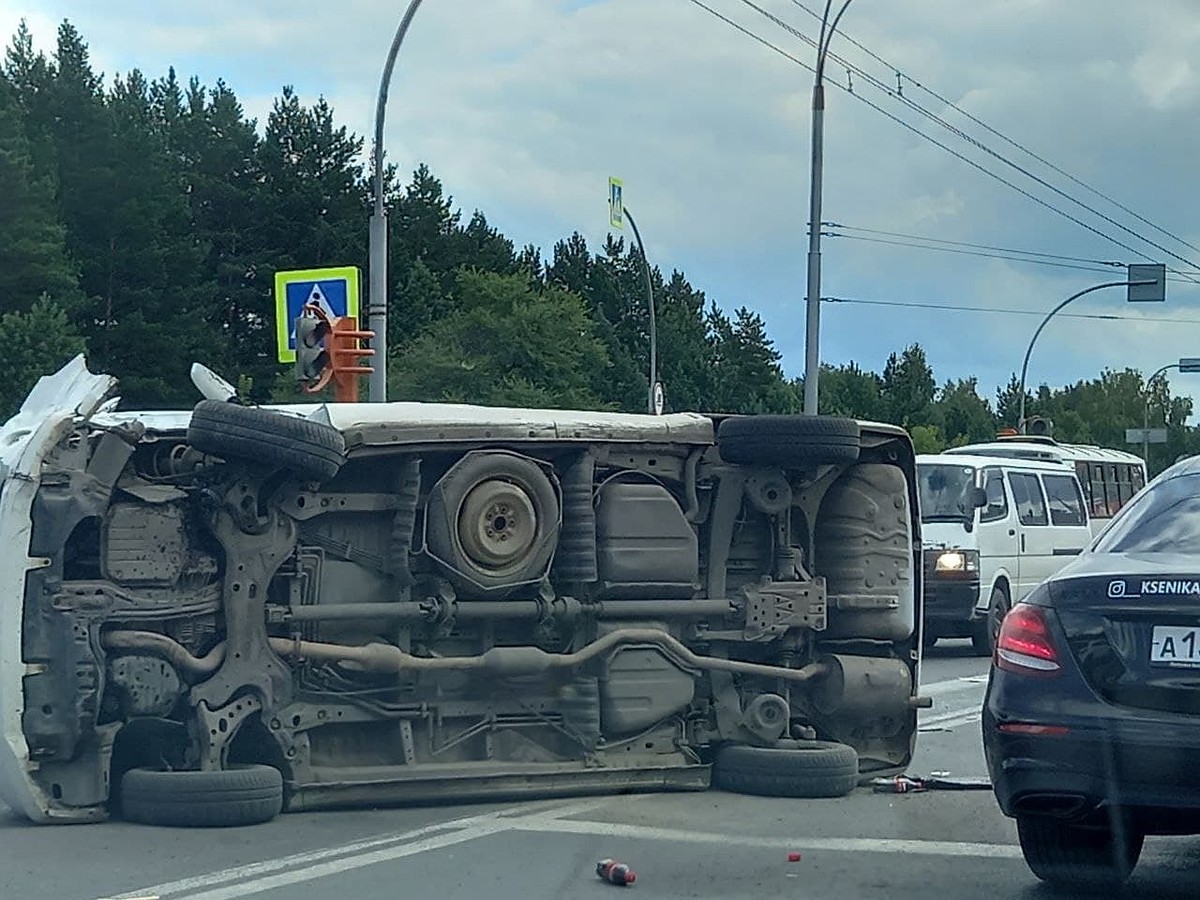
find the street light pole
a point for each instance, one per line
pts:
(378, 254)
(812, 330)
(650, 305)
(1045, 321)
(1146, 414)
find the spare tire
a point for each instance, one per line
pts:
(771, 440)
(789, 769)
(313, 450)
(241, 795)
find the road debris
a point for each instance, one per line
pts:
(907, 784)
(794, 856)
(615, 873)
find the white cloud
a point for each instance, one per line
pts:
(524, 107)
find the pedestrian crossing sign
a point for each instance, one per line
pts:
(334, 290)
(616, 203)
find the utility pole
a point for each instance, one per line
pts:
(650, 404)
(377, 297)
(812, 330)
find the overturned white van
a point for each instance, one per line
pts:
(211, 615)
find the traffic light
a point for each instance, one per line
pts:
(313, 361)
(1039, 426)
(330, 350)
(346, 339)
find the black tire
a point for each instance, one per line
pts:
(789, 440)
(986, 629)
(243, 795)
(310, 449)
(1069, 856)
(794, 769)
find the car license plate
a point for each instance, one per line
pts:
(1174, 645)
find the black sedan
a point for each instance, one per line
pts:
(1091, 721)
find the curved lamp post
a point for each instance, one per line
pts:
(377, 296)
(1154, 282)
(1146, 411)
(812, 329)
(650, 305)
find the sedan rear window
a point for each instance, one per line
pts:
(1162, 519)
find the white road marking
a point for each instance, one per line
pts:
(346, 863)
(835, 844)
(299, 860)
(958, 712)
(245, 881)
(953, 685)
(255, 878)
(952, 718)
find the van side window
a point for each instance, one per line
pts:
(1064, 500)
(1027, 495)
(997, 500)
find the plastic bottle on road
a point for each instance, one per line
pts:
(615, 873)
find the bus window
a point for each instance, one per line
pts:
(1125, 483)
(1139, 478)
(1112, 494)
(1081, 472)
(1096, 493)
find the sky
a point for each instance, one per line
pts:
(524, 108)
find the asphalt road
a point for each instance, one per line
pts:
(709, 845)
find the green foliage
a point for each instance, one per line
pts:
(926, 438)
(33, 253)
(38, 341)
(504, 345)
(908, 387)
(965, 417)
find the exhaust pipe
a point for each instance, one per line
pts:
(496, 662)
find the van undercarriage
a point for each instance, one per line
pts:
(237, 610)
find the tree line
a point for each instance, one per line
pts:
(143, 220)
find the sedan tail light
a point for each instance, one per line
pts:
(1024, 645)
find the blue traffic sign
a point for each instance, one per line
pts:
(334, 290)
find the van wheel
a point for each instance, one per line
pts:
(987, 628)
(312, 450)
(789, 769)
(240, 795)
(769, 440)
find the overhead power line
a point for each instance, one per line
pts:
(933, 240)
(964, 252)
(950, 307)
(804, 65)
(1020, 259)
(1008, 140)
(958, 132)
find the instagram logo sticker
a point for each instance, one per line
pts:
(1116, 589)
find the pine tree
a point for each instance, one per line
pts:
(33, 255)
(39, 341)
(506, 345)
